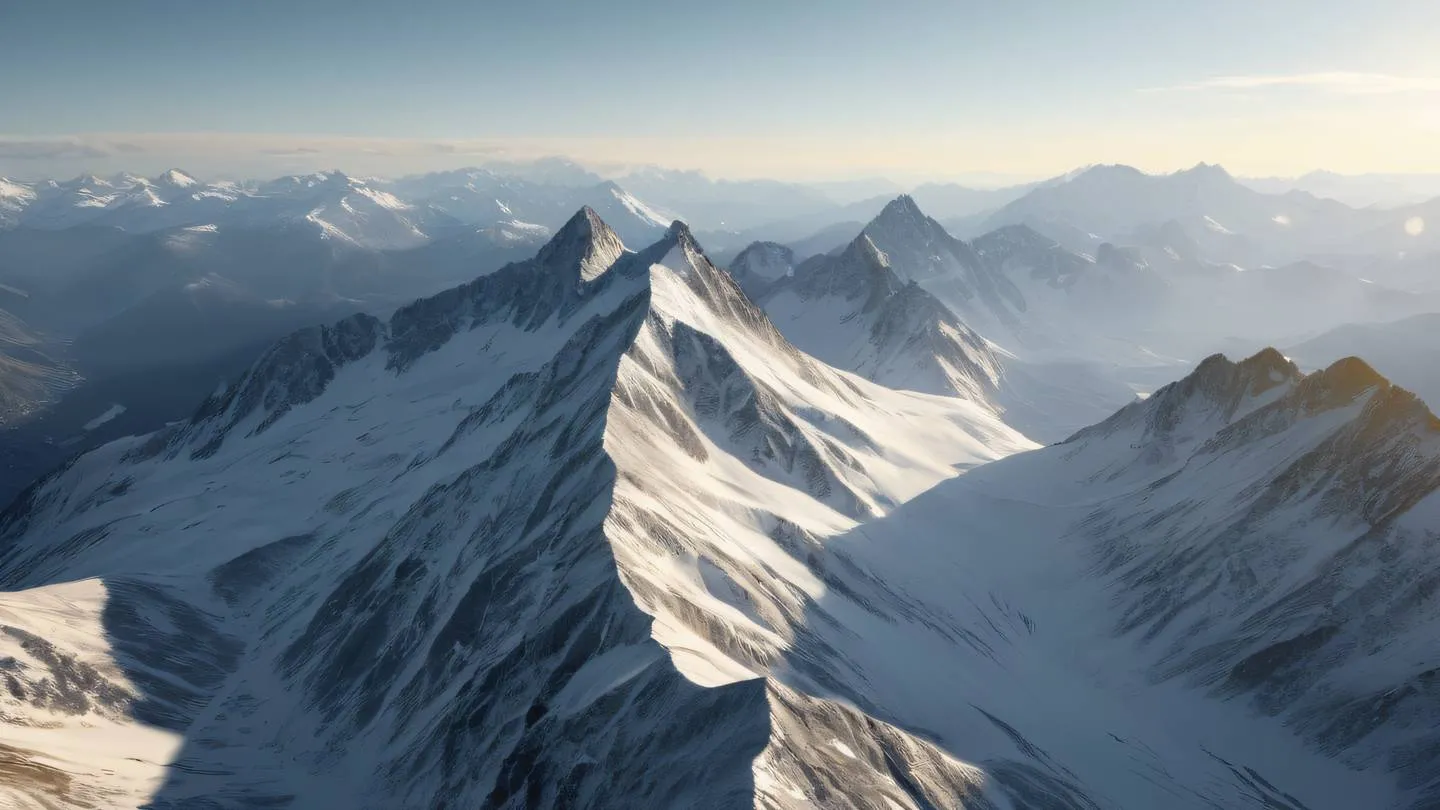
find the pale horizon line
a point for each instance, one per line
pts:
(322, 153)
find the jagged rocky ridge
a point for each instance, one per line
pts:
(1312, 596)
(854, 311)
(420, 561)
(389, 566)
(1022, 290)
(1256, 546)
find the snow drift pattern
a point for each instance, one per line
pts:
(426, 562)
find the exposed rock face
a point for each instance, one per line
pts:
(415, 561)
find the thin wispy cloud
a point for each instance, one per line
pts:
(1339, 82)
(49, 149)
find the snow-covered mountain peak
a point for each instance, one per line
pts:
(680, 232)
(327, 179)
(863, 251)
(584, 245)
(425, 561)
(13, 189)
(1338, 385)
(1224, 408)
(90, 181)
(860, 271)
(917, 246)
(1349, 383)
(1218, 376)
(175, 178)
(1344, 379)
(515, 232)
(688, 285)
(14, 198)
(902, 213)
(471, 514)
(1215, 394)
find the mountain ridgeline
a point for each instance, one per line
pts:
(614, 527)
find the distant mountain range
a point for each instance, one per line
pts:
(1232, 222)
(1100, 265)
(1247, 222)
(1358, 190)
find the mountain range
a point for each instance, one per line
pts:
(1357, 190)
(497, 487)
(1231, 221)
(592, 530)
(1109, 311)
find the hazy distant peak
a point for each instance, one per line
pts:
(902, 207)
(557, 171)
(1019, 234)
(1107, 171)
(90, 181)
(1206, 170)
(176, 178)
(761, 264)
(765, 249)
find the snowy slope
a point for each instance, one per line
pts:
(1125, 312)
(853, 312)
(15, 197)
(1023, 291)
(428, 560)
(1153, 606)
(126, 201)
(387, 565)
(343, 208)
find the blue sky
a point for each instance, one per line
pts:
(782, 88)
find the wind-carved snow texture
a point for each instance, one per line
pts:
(375, 571)
(425, 562)
(1311, 595)
(440, 628)
(1234, 576)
